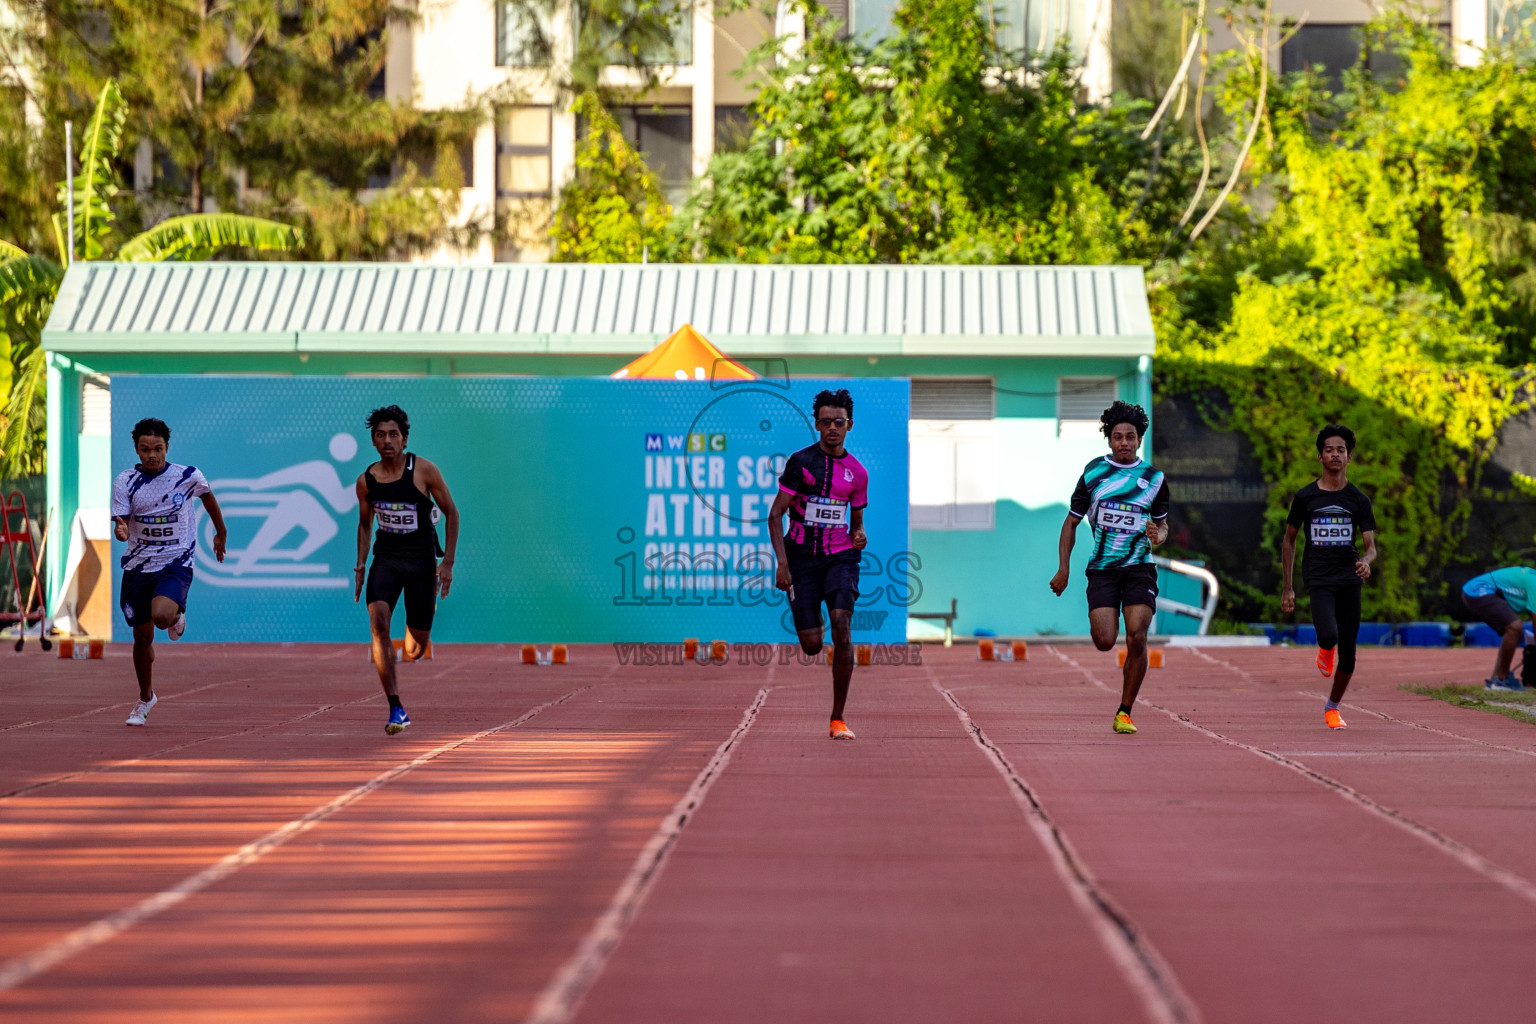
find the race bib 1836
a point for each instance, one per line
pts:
(158, 530)
(1332, 531)
(1121, 518)
(826, 512)
(396, 516)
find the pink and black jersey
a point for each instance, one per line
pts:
(825, 489)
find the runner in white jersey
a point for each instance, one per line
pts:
(151, 504)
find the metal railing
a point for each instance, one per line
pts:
(1212, 592)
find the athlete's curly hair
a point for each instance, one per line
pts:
(151, 427)
(1336, 430)
(839, 399)
(1124, 412)
(384, 415)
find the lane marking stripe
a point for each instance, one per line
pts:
(1467, 856)
(1426, 728)
(23, 968)
(1143, 967)
(562, 997)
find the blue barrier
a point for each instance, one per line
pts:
(1425, 634)
(1377, 634)
(1306, 635)
(1480, 634)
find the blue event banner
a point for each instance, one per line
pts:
(591, 509)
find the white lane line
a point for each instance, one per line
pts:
(1460, 852)
(30, 965)
(563, 995)
(1429, 728)
(1143, 967)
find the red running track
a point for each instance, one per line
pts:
(611, 843)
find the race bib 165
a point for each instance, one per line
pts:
(826, 512)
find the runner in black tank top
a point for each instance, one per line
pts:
(397, 493)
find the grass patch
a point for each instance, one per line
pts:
(1521, 706)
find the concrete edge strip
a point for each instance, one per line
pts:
(1460, 852)
(1427, 728)
(1143, 967)
(29, 965)
(563, 995)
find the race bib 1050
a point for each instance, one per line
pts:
(1332, 531)
(159, 529)
(826, 512)
(1119, 517)
(396, 516)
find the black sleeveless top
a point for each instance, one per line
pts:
(403, 515)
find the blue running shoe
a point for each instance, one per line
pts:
(1509, 683)
(398, 720)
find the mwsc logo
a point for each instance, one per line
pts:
(692, 444)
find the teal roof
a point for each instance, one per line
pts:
(618, 309)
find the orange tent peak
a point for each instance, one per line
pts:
(685, 355)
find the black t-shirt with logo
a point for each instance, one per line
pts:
(1329, 522)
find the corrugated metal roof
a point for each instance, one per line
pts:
(600, 308)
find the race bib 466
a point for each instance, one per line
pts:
(155, 529)
(396, 516)
(1332, 531)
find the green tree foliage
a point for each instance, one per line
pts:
(919, 149)
(1366, 292)
(264, 108)
(29, 282)
(613, 210)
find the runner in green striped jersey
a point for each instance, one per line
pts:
(1126, 503)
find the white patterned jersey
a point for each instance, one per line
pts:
(161, 515)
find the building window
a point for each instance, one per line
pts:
(733, 129)
(1511, 21)
(952, 440)
(523, 33)
(1337, 48)
(664, 137)
(1080, 401)
(522, 152)
(95, 407)
(1015, 25)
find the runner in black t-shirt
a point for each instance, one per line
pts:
(398, 493)
(1328, 513)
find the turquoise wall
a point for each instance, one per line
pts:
(999, 577)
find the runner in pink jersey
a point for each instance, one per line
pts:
(824, 489)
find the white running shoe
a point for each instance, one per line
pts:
(141, 710)
(178, 627)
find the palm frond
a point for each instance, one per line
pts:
(9, 251)
(197, 236)
(25, 414)
(28, 278)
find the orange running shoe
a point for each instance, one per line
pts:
(1331, 716)
(1325, 662)
(840, 730)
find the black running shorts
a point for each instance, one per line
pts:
(833, 579)
(415, 577)
(1491, 608)
(1116, 588)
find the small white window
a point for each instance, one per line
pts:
(1080, 401)
(953, 454)
(95, 407)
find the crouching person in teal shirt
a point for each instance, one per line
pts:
(1503, 599)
